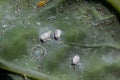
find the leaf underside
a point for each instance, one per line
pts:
(88, 28)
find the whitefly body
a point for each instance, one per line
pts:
(76, 60)
(57, 33)
(45, 36)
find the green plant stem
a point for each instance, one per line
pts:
(105, 45)
(115, 4)
(29, 73)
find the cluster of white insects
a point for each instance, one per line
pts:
(57, 34)
(47, 35)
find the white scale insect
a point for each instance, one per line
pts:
(57, 33)
(45, 36)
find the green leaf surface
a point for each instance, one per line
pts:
(88, 28)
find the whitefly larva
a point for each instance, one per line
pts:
(45, 36)
(57, 34)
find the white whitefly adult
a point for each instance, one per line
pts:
(75, 60)
(46, 36)
(57, 33)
